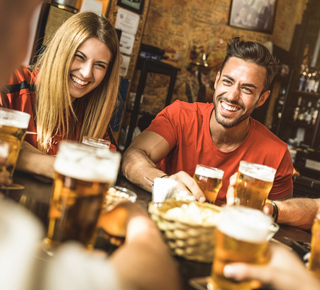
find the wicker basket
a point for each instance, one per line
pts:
(191, 241)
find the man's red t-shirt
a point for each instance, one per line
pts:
(186, 128)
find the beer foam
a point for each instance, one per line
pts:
(245, 224)
(209, 172)
(90, 164)
(14, 118)
(258, 171)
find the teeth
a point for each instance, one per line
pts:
(78, 81)
(229, 108)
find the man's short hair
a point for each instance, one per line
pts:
(253, 52)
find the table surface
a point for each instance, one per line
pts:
(36, 197)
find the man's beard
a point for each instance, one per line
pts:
(230, 122)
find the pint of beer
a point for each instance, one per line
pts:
(13, 127)
(314, 262)
(209, 179)
(82, 176)
(241, 236)
(96, 142)
(254, 182)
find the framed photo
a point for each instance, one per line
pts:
(257, 15)
(133, 5)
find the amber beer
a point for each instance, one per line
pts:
(82, 176)
(254, 182)
(209, 179)
(13, 127)
(314, 262)
(241, 236)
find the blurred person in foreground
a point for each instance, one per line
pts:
(284, 271)
(218, 135)
(70, 92)
(143, 262)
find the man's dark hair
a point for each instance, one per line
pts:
(253, 52)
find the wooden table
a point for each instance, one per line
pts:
(36, 196)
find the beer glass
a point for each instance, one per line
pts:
(241, 236)
(254, 182)
(83, 174)
(209, 179)
(314, 262)
(96, 142)
(13, 128)
(114, 196)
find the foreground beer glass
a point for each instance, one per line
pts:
(241, 236)
(314, 262)
(96, 142)
(254, 182)
(209, 179)
(13, 128)
(82, 176)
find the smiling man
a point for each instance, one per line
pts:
(218, 135)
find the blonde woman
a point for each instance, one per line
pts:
(71, 91)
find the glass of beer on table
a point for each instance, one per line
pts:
(254, 182)
(209, 179)
(13, 128)
(96, 142)
(242, 236)
(83, 174)
(314, 261)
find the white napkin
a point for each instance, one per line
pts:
(162, 189)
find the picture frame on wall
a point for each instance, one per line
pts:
(256, 15)
(132, 5)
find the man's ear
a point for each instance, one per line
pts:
(263, 98)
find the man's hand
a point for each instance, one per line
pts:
(115, 221)
(186, 182)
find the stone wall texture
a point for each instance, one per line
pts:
(180, 26)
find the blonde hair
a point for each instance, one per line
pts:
(55, 112)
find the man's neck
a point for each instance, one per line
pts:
(228, 139)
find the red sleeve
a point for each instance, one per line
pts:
(164, 124)
(283, 183)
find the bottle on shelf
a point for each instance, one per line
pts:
(315, 113)
(302, 110)
(312, 81)
(296, 110)
(308, 82)
(308, 113)
(303, 77)
(317, 82)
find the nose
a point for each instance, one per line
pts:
(234, 93)
(86, 69)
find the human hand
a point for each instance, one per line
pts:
(116, 220)
(284, 271)
(231, 189)
(186, 182)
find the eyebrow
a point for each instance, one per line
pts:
(99, 61)
(244, 84)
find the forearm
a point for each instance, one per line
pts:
(36, 163)
(136, 165)
(298, 212)
(148, 262)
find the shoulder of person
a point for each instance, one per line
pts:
(188, 107)
(266, 135)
